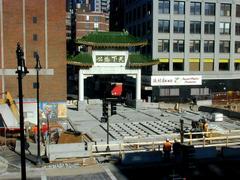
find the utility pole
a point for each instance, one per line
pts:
(21, 71)
(38, 68)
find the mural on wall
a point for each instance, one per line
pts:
(62, 110)
(53, 110)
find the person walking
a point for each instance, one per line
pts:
(177, 150)
(167, 147)
(44, 131)
(35, 132)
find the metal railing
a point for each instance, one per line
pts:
(207, 139)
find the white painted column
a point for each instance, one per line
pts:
(24, 30)
(2, 50)
(138, 85)
(46, 33)
(81, 86)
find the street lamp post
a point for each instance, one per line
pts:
(38, 68)
(21, 71)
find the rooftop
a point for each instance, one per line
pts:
(134, 60)
(111, 39)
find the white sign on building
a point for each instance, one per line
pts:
(175, 80)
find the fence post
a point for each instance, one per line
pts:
(210, 135)
(227, 139)
(190, 138)
(5, 132)
(204, 141)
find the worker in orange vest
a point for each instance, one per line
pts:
(44, 131)
(167, 147)
(35, 132)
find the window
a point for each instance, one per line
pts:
(163, 66)
(130, 17)
(179, 26)
(87, 26)
(224, 46)
(225, 9)
(163, 26)
(237, 46)
(178, 65)
(179, 7)
(144, 29)
(35, 37)
(209, 46)
(169, 92)
(210, 9)
(237, 66)
(195, 46)
(194, 64)
(237, 29)
(178, 46)
(96, 18)
(195, 27)
(144, 10)
(163, 45)
(34, 19)
(224, 28)
(164, 7)
(224, 65)
(87, 18)
(195, 8)
(139, 12)
(134, 14)
(238, 10)
(209, 27)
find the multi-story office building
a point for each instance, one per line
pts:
(39, 26)
(100, 5)
(116, 11)
(197, 41)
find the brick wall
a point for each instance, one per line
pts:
(52, 87)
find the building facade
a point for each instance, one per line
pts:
(116, 11)
(100, 5)
(88, 21)
(190, 38)
(39, 26)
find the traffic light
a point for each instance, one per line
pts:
(113, 108)
(105, 109)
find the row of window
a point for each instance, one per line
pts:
(178, 65)
(176, 91)
(196, 8)
(195, 27)
(195, 46)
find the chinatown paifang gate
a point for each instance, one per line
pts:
(108, 54)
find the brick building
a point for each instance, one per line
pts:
(89, 21)
(40, 26)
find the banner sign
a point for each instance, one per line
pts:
(175, 80)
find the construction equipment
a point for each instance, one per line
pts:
(9, 116)
(11, 103)
(200, 125)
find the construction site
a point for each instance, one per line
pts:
(131, 137)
